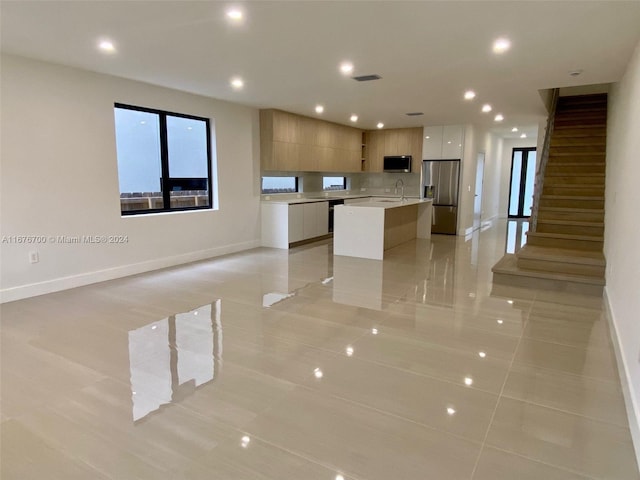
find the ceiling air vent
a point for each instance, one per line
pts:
(367, 78)
(414, 114)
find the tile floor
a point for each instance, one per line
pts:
(297, 365)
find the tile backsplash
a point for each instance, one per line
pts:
(365, 182)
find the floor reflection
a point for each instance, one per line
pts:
(516, 234)
(172, 357)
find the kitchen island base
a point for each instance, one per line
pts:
(368, 228)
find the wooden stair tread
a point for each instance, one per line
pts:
(571, 209)
(551, 254)
(508, 266)
(567, 236)
(574, 197)
(576, 223)
(576, 154)
(579, 126)
(578, 174)
(576, 186)
(565, 164)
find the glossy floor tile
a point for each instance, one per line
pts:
(272, 364)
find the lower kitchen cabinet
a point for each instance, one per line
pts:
(295, 223)
(284, 224)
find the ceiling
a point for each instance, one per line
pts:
(288, 53)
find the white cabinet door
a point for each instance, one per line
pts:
(322, 218)
(296, 222)
(452, 141)
(432, 143)
(310, 221)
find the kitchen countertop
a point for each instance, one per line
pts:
(387, 202)
(293, 201)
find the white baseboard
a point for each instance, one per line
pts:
(632, 403)
(82, 279)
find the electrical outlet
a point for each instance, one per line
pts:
(34, 257)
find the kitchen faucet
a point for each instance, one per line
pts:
(401, 182)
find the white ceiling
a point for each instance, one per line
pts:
(288, 53)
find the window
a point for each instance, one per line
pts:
(334, 183)
(279, 184)
(164, 160)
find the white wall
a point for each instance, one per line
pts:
(477, 140)
(622, 230)
(505, 172)
(59, 177)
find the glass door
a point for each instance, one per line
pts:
(523, 174)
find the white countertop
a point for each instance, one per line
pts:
(386, 202)
(292, 201)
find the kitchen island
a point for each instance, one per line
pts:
(366, 229)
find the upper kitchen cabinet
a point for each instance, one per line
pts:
(396, 141)
(452, 141)
(442, 142)
(290, 142)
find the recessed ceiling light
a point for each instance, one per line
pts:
(451, 411)
(380, 125)
(575, 73)
(349, 351)
(499, 117)
(468, 381)
(469, 95)
(318, 373)
(354, 118)
(486, 108)
(524, 135)
(235, 14)
(374, 331)
(514, 129)
(501, 45)
(319, 109)
(237, 83)
(427, 137)
(482, 354)
(107, 46)
(346, 68)
(449, 142)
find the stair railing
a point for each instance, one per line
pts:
(542, 164)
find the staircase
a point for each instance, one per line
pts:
(564, 248)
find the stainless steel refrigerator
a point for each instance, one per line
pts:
(440, 181)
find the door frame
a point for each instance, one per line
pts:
(523, 177)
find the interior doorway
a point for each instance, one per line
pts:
(477, 199)
(523, 174)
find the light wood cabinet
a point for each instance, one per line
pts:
(290, 142)
(397, 141)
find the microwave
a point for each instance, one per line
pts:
(397, 163)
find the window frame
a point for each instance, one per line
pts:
(165, 180)
(297, 185)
